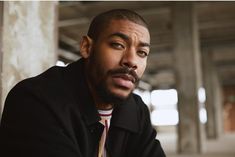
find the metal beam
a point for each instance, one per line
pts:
(72, 22)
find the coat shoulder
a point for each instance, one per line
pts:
(41, 88)
(50, 76)
(140, 103)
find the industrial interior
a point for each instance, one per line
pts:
(189, 83)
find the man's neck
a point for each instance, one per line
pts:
(104, 106)
(100, 105)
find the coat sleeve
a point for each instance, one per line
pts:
(29, 129)
(147, 144)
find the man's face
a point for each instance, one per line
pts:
(118, 59)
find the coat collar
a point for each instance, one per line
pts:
(124, 115)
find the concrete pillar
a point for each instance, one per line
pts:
(29, 41)
(188, 75)
(213, 96)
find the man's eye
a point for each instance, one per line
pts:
(118, 46)
(142, 54)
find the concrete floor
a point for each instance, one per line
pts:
(224, 146)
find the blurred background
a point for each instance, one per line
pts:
(189, 84)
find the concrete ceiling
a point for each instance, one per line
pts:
(216, 30)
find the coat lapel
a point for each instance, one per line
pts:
(76, 82)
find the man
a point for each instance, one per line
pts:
(86, 109)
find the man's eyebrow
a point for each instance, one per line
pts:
(125, 37)
(121, 35)
(143, 44)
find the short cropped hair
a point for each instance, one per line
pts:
(100, 22)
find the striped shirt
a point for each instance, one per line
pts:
(105, 116)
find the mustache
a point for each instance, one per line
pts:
(125, 71)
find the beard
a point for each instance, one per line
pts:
(102, 88)
(98, 78)
(107, 96)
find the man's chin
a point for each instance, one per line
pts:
(122, 96)
(114, 97)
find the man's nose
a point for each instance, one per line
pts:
(129, 59)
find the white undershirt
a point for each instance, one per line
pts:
(105, 116)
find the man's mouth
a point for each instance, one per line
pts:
(124, 77)
(127, 77)
(124, 80)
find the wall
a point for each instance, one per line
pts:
(29, 41)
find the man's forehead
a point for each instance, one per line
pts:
(122, 23)
(126, 27)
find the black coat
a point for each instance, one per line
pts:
(53, 115)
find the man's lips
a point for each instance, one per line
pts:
(124, 80)
(125, 77)
(125, 73)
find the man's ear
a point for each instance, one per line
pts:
(85, 46)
